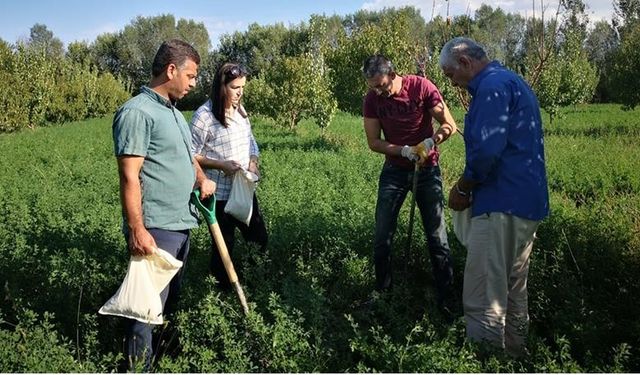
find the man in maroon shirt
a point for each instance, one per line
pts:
(403, 108)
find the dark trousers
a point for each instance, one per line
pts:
(139, 335)
(393, 187)
(255, 232)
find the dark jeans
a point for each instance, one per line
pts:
(255, 232)
(393, 187)
(139, 335)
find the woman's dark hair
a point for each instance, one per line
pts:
(225, 74)
(174, 51)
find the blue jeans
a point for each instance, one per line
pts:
(139, 335)
(395, 183)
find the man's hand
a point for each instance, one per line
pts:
(207, 188)
(458, 199)
(409, 153)
(423, 149)
(141, 242)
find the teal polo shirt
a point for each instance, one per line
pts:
(149, 125)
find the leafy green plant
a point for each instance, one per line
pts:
(64, 255)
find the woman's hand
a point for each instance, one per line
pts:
(230, 167)
(253, 167)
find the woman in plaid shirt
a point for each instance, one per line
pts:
(223, 143)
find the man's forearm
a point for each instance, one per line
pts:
(131, 200)
(443, 133)
(384, 147)
(200, 175)
(447, 124)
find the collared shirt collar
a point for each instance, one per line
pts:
(157, 97)
(472, 87)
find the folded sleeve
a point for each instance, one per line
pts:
(131, 132)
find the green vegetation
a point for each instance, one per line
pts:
(63, 256)
(43, 89)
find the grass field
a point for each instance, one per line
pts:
(63, 256)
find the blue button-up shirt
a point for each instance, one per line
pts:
(504, 146)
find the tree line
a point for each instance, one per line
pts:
(312, 69)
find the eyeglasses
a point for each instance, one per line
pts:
(236, 71)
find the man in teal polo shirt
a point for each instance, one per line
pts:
(152, 143)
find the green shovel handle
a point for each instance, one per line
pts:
(206, 206)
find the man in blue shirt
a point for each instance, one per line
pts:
(504, 185)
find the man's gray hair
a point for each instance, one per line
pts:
(377, 64)
(460, 46)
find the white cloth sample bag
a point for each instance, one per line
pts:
(462, 225)
(240, 203)
(139, 295)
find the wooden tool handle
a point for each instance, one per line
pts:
(243, 299)
(224, 253)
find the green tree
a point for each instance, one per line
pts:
(558, 66)
(13, 114)
(462, 25)
(107, 55)
(625, 69)
(281, 92)
(391, 37)
(624, 59)
(35, 70)
(80, 92)
(578, 77)
(491, 30)
(130, 52)
(258, 47)
(79, 53)
(601, 44)
(323, 105)
(626, 13)
(415, 23)
(436, 33)
(502, 35)
(297, 87)
(40, 37)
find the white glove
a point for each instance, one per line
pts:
(409, 153)
(427, 145)
(423, 148)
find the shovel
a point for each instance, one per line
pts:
(208, 209)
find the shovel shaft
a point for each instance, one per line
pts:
(208, 210)
(241, 297)
(214, 229)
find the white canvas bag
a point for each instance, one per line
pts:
(139, 295)
(240, 203)
(462, 225)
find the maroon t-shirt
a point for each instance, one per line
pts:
(405, 117)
